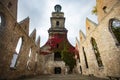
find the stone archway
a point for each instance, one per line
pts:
(57, 70)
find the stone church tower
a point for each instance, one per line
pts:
(56, 43)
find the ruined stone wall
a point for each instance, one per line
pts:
(106, 43)
(10, 33)
(104, 7)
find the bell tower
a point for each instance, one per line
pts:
(57, 43)
(57, 40)
(57, 21)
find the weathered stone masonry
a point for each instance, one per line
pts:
(99, 49)
(10, 33)
(100, 44)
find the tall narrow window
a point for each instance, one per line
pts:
(15, 55)
(30, 52)
(57, 23)
(115, 28)
(13, 61)
(28, 64)
(80, 69)
(96, 51)
(0, 20)
(19, 44)
(36, 59)
(86, 63)
(29, 60)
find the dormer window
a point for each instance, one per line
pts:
(57, 23)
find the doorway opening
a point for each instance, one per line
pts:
(57, 70)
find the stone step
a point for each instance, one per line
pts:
(64, 77)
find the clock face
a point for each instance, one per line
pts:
(57, 8)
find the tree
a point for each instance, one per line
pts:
(68, 58)
(94, 11)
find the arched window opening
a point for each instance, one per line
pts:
(36, 59)
(115, 27)
(0, 20)
(15, 55)
(30, 52)
(19, 45)
(28, 64)
(96, 51)
(80, 69)
(57, 56)
(29, 60)
(86, 63)
(57, 23)
(57, 70)
(14, 61)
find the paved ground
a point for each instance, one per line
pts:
(64, 77)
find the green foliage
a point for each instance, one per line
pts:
(96, 51)
(68, 58)
(94, 11)
(116, 31)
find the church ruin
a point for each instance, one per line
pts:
(98, 51)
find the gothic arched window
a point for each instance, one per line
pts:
(30, 52)
(14, 61)
(15, 55)
(96, 51)
(29, 60)
(36, 57)
(19, 44)
(2, 19)
(115, 29)
(86, 63)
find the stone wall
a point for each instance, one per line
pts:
(10, 33)
(50, 64)
(106, 44)
(104, 7)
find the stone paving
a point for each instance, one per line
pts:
(64, 77)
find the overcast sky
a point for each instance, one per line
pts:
(40, 11)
